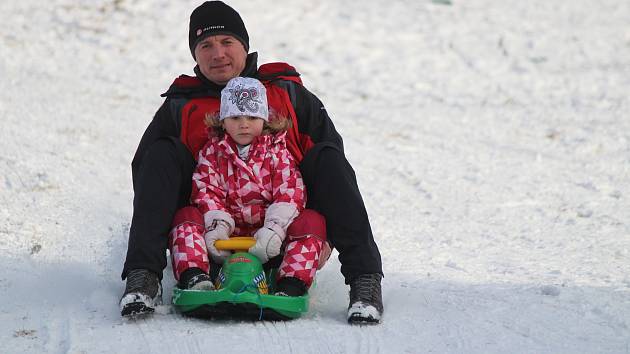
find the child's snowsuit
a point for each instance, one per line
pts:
(264, 190)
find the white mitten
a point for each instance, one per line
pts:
(218, 230)
(268, 244)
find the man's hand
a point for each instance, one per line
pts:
(218, 230)
(268, 244)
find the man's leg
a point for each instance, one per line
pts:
(163, 186)
(332, 190)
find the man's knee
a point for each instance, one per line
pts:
(322, 153)
(168, 151)
(164, 174)
(323, 162)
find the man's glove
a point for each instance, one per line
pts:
(268, 244)
(218, 230)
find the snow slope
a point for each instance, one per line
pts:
(491, 140)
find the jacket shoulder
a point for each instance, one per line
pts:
(278, 71)
(184, 85)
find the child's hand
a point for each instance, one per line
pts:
(268, 244)
(219, 230)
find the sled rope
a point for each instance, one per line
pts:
(243, 289)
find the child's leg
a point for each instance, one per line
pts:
(305, 240)
(188, 248)
(301, 259)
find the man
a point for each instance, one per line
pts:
(163, 164)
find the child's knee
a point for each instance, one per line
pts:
(308, 223)
(187, 214)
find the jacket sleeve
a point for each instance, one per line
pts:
(207, 189)
(289, 197)
(163, 125)
(313, 119)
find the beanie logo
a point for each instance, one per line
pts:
(209, 28)
(245, 98)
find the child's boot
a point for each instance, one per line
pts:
(195, 279)
(290, 286)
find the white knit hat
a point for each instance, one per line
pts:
(244, 96)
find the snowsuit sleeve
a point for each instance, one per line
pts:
(208, 192)
(289, 197)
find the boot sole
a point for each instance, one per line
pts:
(134, 309)
(360, 320)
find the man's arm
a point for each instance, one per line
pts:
(312, 117)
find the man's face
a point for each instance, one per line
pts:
(220, 58)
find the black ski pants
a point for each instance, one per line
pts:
(163, 183)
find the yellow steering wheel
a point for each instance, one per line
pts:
(236, 244)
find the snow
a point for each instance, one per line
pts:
(491, 141)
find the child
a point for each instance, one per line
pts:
(247, 183)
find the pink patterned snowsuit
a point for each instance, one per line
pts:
(266, 189)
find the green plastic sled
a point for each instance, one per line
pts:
(243, 289)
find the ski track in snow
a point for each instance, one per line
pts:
(491, 141)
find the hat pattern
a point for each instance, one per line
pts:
(245, 98)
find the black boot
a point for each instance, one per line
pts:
(290, 286)
(142, 293)
(195, 279)
(366, 301)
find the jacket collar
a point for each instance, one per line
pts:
(259, 144)
(200, 86)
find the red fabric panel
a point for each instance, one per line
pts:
(187, 214)
(194, 132)
(277, 69)
(309, 222)
(187, 81)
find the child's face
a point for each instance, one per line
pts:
(243, 129)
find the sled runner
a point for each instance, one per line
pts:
(243, 290)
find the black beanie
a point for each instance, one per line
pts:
(212, 18)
